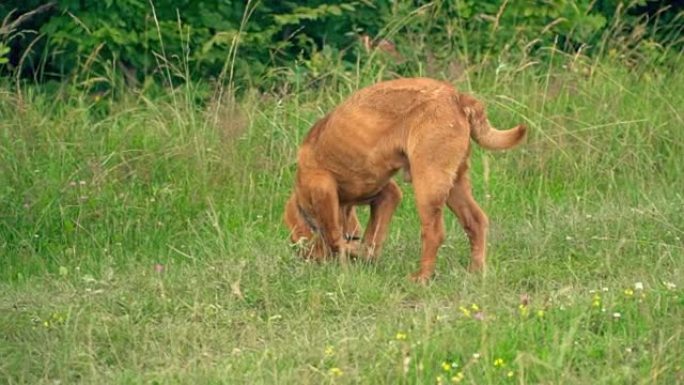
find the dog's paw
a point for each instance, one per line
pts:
(300, 243)
(302, 247)
(354, 248)
(421, 277)
(476, 267)
(310, 249)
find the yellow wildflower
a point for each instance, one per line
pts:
(401, 336)
(337, 372)
(475, 307)
(329, 351)
(596, 301)
(457, 378)
(510, 374)
(465, 311)
(499, 362)
(629, 292)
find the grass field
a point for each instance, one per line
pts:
(141, 242)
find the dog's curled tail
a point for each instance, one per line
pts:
(483, 133)
(493, 139)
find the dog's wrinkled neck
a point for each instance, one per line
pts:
(307, 218)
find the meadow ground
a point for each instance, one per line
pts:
(141, 242)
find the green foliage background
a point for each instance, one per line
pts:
(259, 41)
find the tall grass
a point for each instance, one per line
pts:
(141, 239)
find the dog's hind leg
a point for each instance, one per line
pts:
(431, 183)
(435, 161)
(471, 217)
(381, 210)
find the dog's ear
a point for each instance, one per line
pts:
(473, 109)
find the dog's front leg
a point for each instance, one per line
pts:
(350, 223)
(381, 210)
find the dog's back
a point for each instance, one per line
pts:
(376, 120)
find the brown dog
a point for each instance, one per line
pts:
(348, 158)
